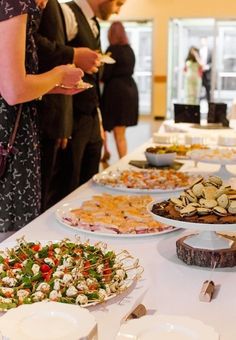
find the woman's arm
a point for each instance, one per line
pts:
(15, 85)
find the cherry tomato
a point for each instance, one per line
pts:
(50, 253)
(17, 265)
(93, 286)
(87, 265)
(107, 274)
(35, 247)
(47, 276)
(22, 256)
(44, 268)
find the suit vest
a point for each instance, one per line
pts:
(87, 101)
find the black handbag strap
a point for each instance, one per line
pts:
(14, 131)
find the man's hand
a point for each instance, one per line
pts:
(86, 59)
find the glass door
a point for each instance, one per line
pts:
(140, 38)
(184, 33)
(226, 61)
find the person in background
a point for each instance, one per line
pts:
(193, 77)
(83, 30)
(20, 186)
(119, 104)
(206, 59)
(57, 126)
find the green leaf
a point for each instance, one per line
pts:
(92, 296)
(10, 305)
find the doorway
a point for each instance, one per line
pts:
(140, 38)
(221, 37)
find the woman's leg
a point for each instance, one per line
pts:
(106, 154)
(120, 138)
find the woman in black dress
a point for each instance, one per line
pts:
(119, 102)
(20, 186)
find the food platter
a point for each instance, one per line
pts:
(48, 320)
(163, 327)
(152, 181)
(64, 271)
(111, 216)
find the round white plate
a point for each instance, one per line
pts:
(66, 218)
(47, 320)
(166, 327)
(190, 225)
(103, 175)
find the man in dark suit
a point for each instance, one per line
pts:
(56, 111)
(83, 30)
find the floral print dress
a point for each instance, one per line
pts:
(20, 186)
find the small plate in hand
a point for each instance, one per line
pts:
(80, 85)
(107, 59)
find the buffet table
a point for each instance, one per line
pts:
(167, 286)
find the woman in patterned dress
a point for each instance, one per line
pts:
(20, 185)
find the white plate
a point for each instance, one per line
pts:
(106, 59)
(66, 218)
(103, 175)
(189, 225)
(80, 85)
(48, 320)
(166, 327)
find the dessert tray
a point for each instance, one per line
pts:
(48, 320)
(222, 157)
(216, 156)
(113, 216)
(208, 206)
(166, 327)
(63, 271)
(144, 181)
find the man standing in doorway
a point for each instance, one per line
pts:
(83, 30)
(206, 60)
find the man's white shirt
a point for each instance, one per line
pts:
(71, 22)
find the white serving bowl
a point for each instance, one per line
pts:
(160, 159)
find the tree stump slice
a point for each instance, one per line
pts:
(206, 257)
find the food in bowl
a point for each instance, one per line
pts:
(180, 149)
(160, 159)
(160, 155)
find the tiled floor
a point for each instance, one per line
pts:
(136, 135)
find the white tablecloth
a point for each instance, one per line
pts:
(172, 286)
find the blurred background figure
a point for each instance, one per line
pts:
(119, 101)
(206, 60)
(193, 77)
